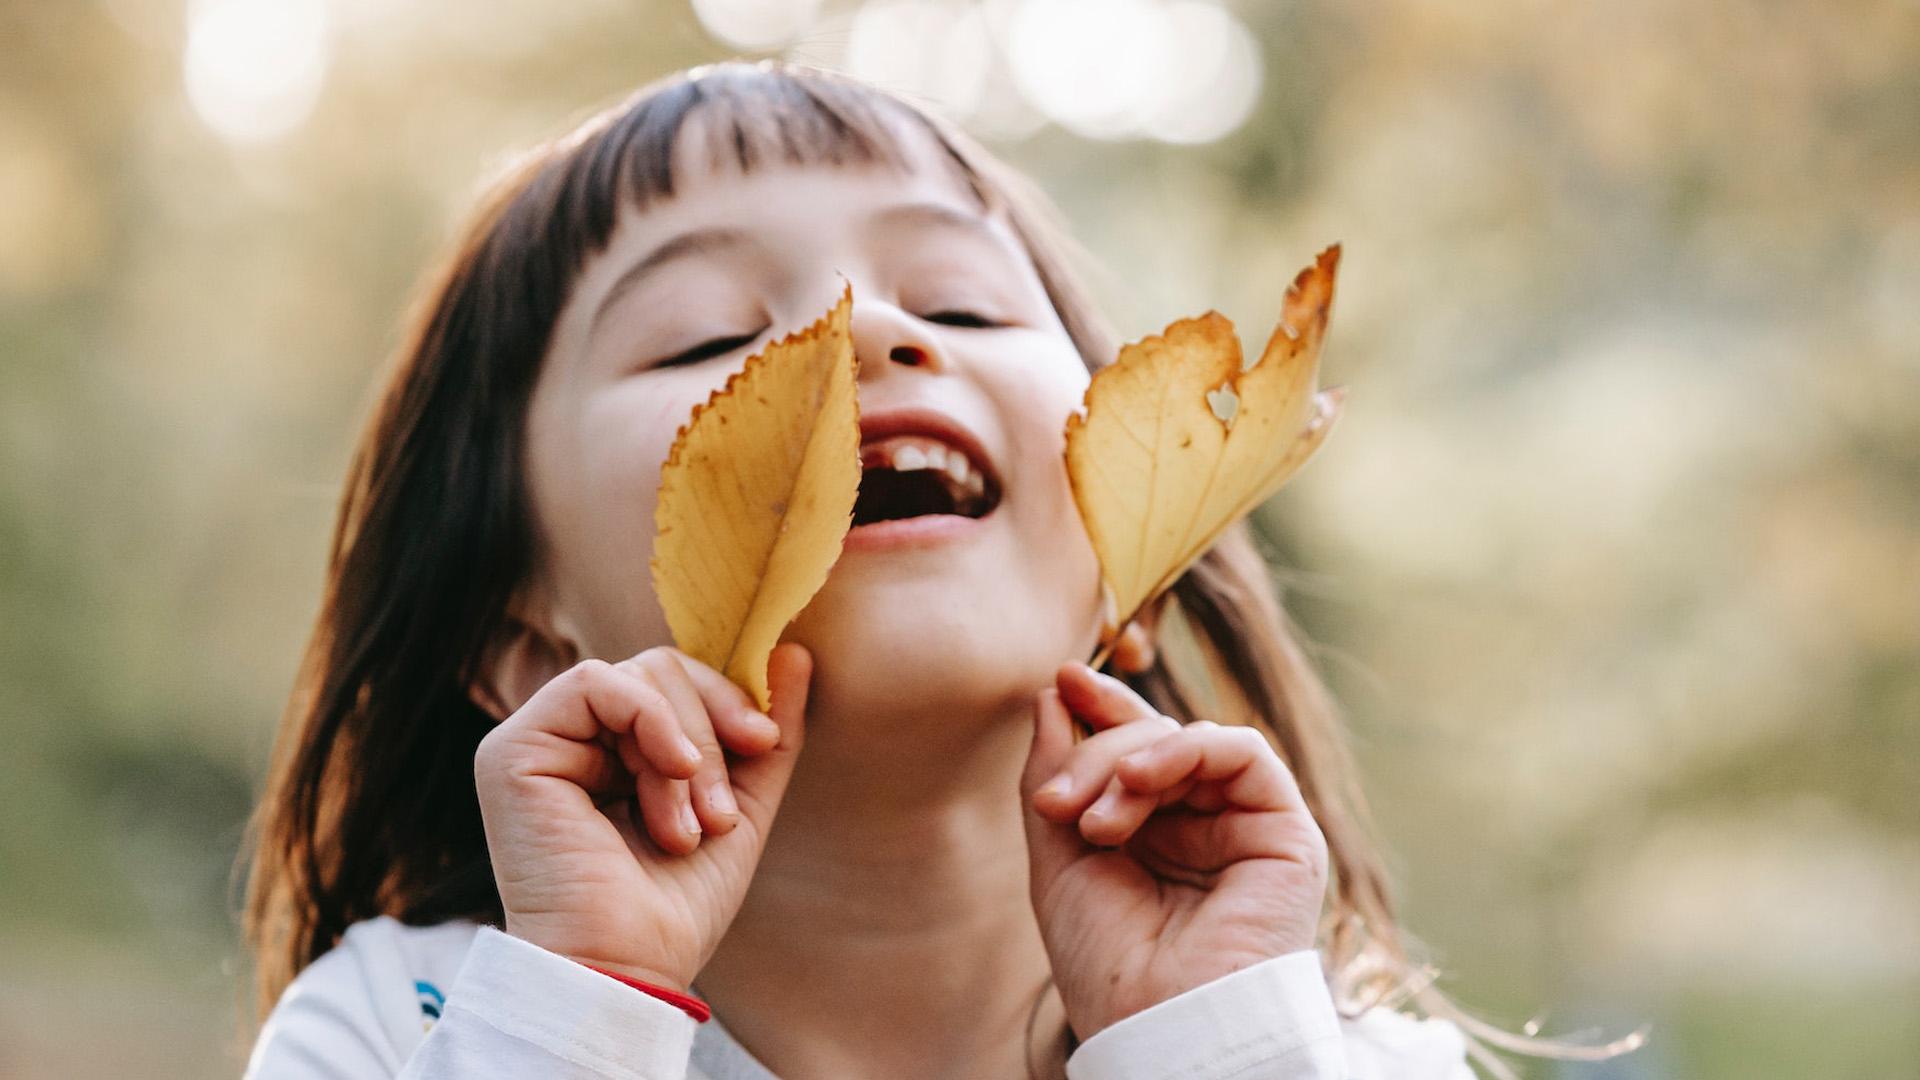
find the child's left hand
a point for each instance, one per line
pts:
(1208, 861)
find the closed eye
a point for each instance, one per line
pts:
(711, 348)
(965, 319)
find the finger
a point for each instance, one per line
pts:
(1051, 846)
(1133, 652)
(632, 761)
(1190, 839)
(626, 702)
(1116, 814)
(1249, 772)
(1089, 765)
(1099, 700)
(739, 726)
(666, 807)
(760, 782)
(1146, 779)
(1212, 842)
(564, 719)
(601, 769)
(712, 795)
(1152, 768)
(1205, 797)
(1052, 742)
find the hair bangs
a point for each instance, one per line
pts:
(737, 117)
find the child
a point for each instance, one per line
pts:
(485, 851)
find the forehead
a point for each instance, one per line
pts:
(740, 164)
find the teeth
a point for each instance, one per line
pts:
(905, 453)
(909, 453)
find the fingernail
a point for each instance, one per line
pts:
(1102, 808)
(765, 722)
(688, 750)
(1056, 787)
(688, 821)
(722, 798)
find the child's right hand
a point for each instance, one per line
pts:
(588, 794)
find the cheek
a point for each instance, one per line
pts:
(1036, 403)
(596, 469)
(624, 437)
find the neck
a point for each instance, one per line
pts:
(888, 930)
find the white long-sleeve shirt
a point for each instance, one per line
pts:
(464, 1000)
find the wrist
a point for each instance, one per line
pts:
(573, 947)
(634, 973)
(685, 1002)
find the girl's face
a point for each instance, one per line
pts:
(689, 288)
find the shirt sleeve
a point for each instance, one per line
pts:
(515, 1010)
(1274, 1020)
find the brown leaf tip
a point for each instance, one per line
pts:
(1318, 278)
(1304, 311)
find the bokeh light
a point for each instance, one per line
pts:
(935, 52)
(1186, 72)
(1213, 74)
(1089, 65)
(756, 24)
(254, 68)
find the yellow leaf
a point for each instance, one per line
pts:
(1180, 439)
(756, 498)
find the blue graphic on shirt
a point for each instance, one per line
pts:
(432, 1001)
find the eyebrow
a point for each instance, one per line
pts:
(932, 213)
(686, 245)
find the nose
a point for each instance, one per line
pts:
(886, 338)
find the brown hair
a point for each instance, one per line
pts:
(370, 806)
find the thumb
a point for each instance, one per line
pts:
(1052, 739)
(1050, 844)
(761, 780)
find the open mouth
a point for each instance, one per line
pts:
(913, 476)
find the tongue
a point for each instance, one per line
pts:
(888, 495)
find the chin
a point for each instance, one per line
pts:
(915, 666)
(921, 635)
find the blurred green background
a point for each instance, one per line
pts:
(1615, 558)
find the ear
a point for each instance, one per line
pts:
(1135, 652)
(524, 655)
